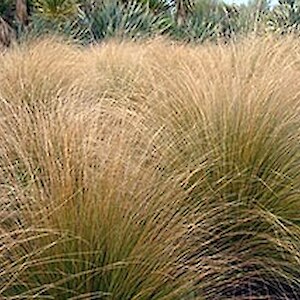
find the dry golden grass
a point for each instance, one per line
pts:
(150, 171)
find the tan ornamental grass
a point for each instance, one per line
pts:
(150, 170)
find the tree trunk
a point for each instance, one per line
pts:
(7, 34)
(180, 12)
(22, 12)
(183, 7)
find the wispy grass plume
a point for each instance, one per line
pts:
(150, 170)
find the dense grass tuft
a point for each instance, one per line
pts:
(150, 170)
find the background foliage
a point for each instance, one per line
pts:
(198, 20)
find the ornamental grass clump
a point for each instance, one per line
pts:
(85, 219)
(226, 120)
(85, 212)
(33, 72)
(230, 114)
(150, 170)
(231, 118)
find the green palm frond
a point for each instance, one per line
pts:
(56, 9)
(285, 18)
(130, 20)
(209, 20)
